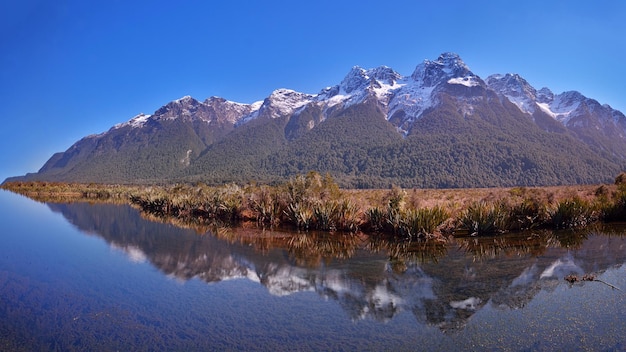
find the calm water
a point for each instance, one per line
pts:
(100, 277)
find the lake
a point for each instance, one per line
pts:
(81, 276)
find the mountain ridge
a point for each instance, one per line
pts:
(383, 124)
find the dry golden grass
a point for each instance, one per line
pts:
(392, 209)
(454, 200)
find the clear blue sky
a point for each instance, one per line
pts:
(73, 68)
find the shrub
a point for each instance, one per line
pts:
(325, 215)
(615, 210)
(482, 219)
(300, 215)
(419, 223)
(525, 216)
(347, 216)
(228, 202)
(266, 206)
(375, 219)
(571, 213)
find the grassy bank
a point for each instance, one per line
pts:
(315, 202)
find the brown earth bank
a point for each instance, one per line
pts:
(315, 202)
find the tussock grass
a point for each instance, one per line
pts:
(572, 213)
(315, 202)
(483, 219)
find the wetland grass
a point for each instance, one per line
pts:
(315, 202)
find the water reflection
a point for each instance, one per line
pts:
(441, 284)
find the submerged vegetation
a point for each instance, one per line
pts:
(315, 202)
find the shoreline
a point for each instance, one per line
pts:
(314, 202)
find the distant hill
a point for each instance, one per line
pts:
(442, 126)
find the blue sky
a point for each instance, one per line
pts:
(73, 68)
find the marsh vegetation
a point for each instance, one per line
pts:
(315, 202)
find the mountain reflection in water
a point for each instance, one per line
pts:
(441, 284)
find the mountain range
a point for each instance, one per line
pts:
(441, 127)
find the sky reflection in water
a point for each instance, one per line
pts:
(102, 277)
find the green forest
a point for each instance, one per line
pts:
(493, 146)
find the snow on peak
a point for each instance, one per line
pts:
(563, 105)
(220, 109)
(214, 101)
(385, 74)
(185, 99)
(359, 79)
(355, 79)
(516, 89)
(256, 105)
(465, 81)
(452, 61)
(359, 84)
(280, 103)
(447, 66)
(284, 93)
(137, 121)
(544, 95)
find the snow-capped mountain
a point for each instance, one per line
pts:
(395, 94)
(598, 125)
(212, 110)
(281, 102)
(565, 107)
(375, 126)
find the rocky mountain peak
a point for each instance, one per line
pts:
(223, 110)
(359, 79)
(182, 107)
(385, 75)
(214, 100)
(187, 99)
(510, 82)
(516, 89)
(137, 121)
(283, 102)
(544, 95)
(571, 108)
(447, 66)
(452, 61)
(355, 79)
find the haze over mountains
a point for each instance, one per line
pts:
(442, 126)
